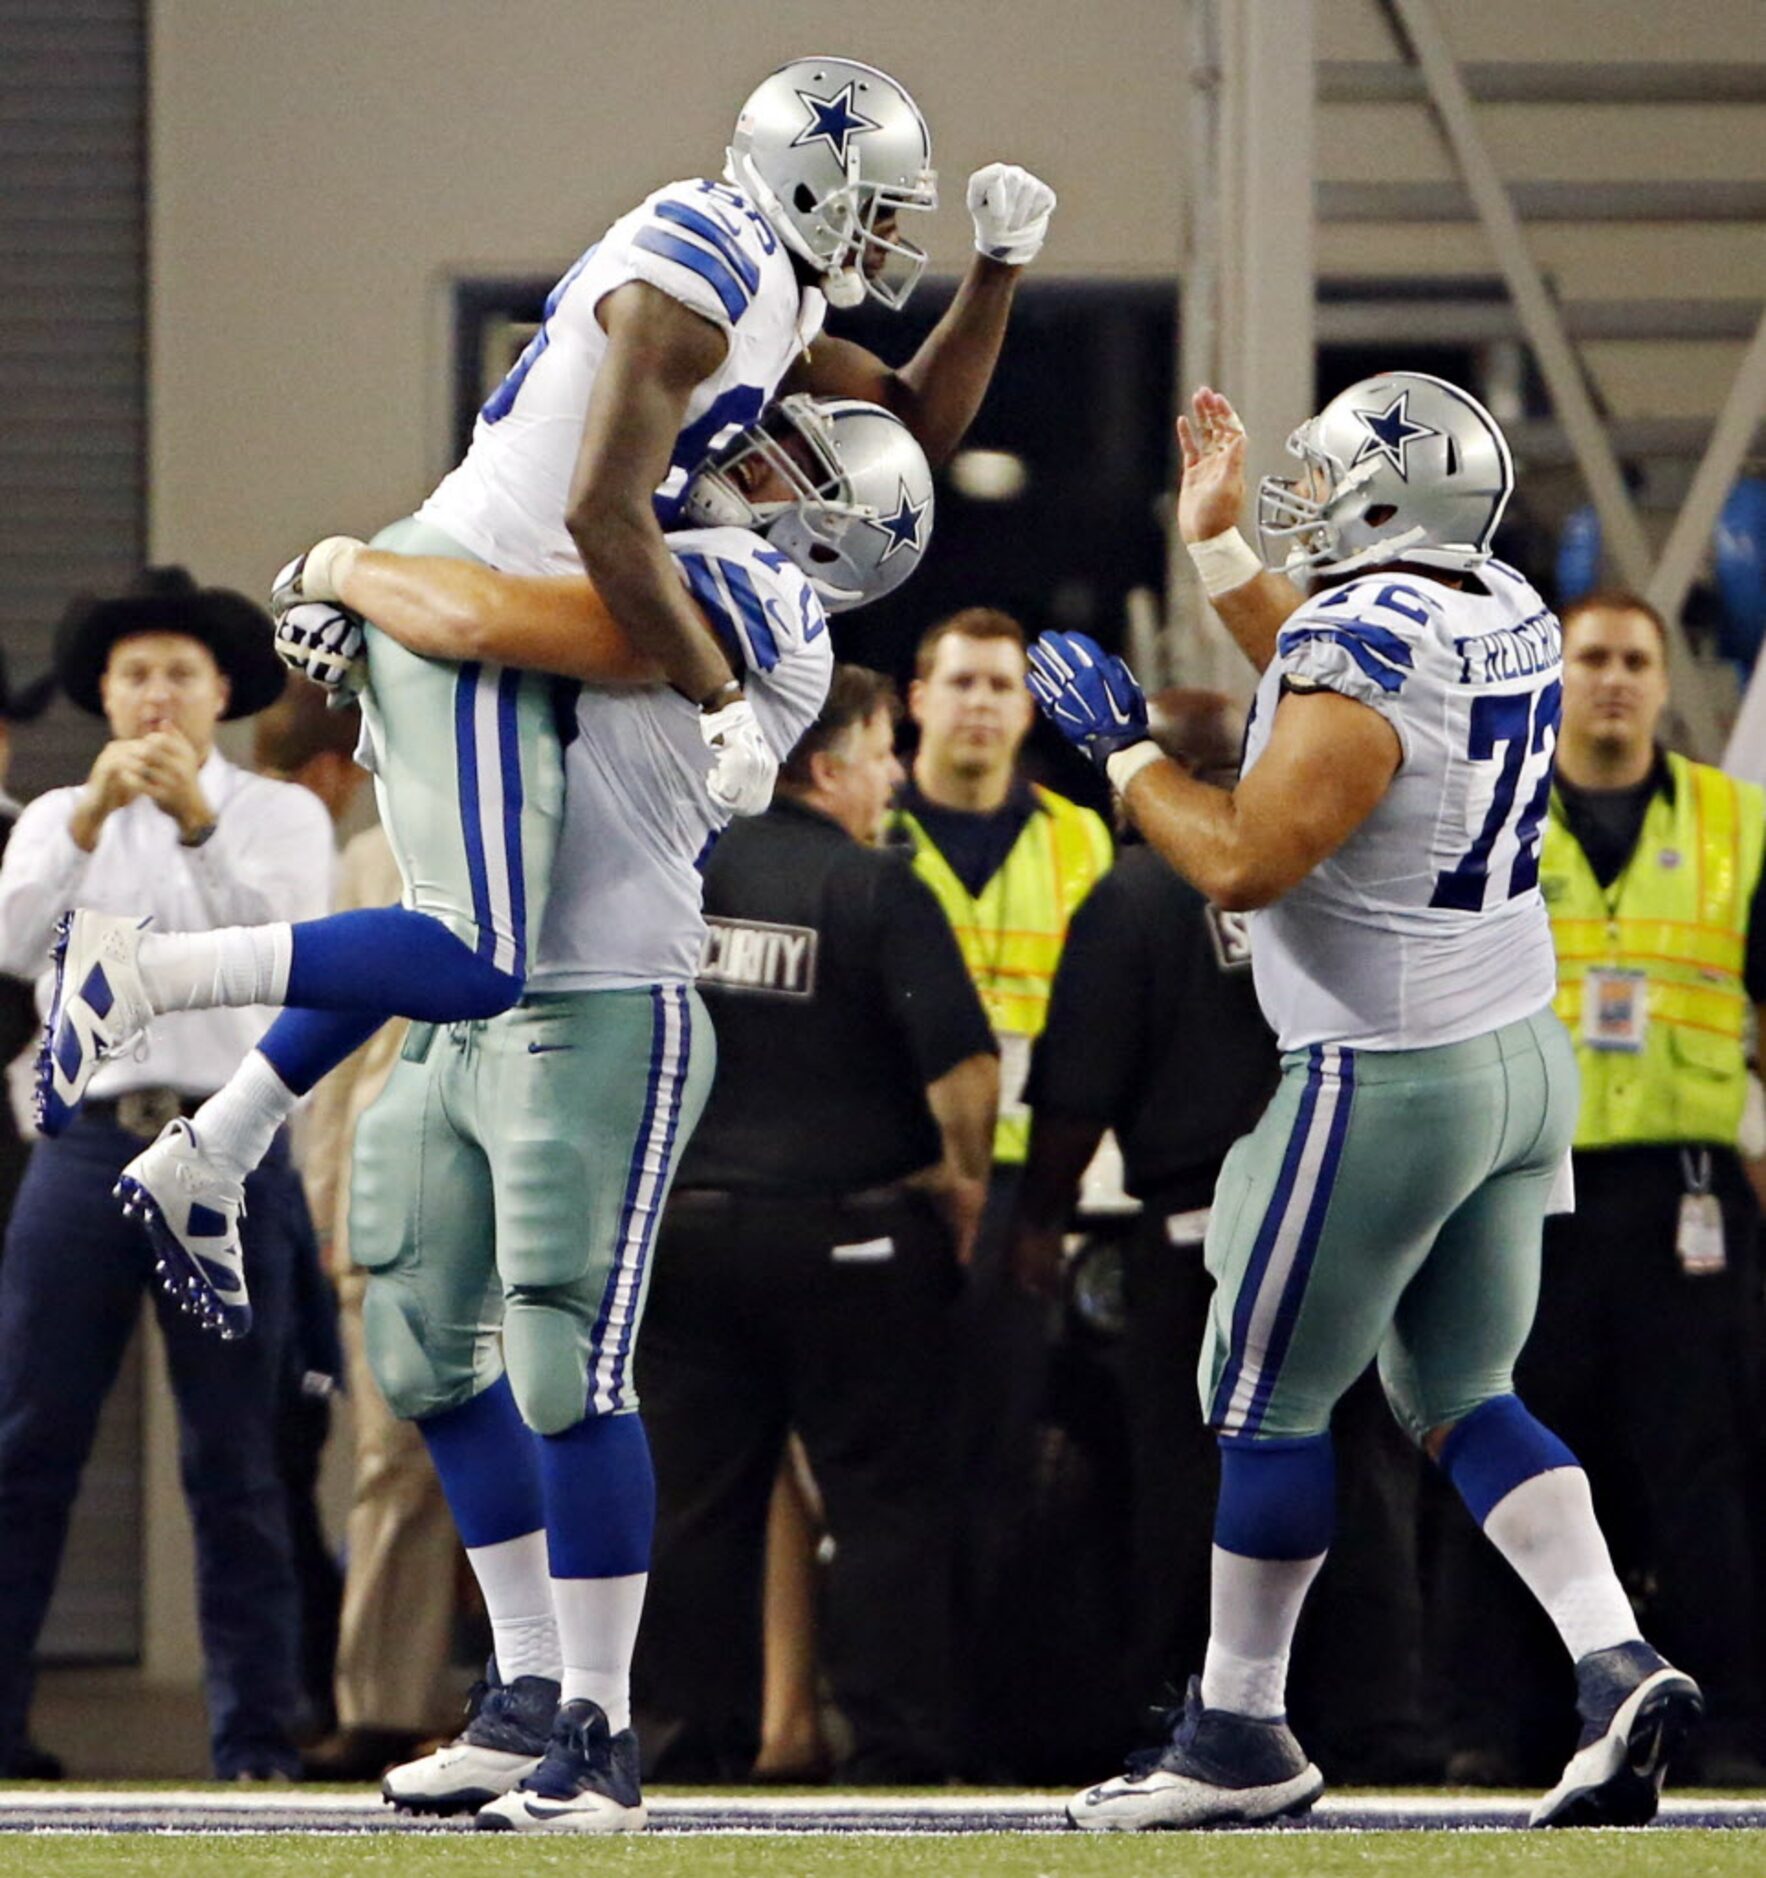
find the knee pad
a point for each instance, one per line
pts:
(545, 1350)
(398, 1359)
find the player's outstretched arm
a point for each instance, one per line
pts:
(1251, 601)
(1328, 762)
(939, 390)
(658, 352)
(450, 609)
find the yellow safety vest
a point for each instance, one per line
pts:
(1011, 936)
(1678, 917)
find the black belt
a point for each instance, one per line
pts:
(140, 1112)
(873, 1200)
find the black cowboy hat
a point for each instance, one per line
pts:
(28, 702)
(167, 600)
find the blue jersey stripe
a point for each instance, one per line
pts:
(709, 267)
(509, 746)
(703, 583)
(466, 764)
(1356, 644)
(763, 643)
(720, 238)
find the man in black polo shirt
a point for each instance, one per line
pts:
(808, 1262)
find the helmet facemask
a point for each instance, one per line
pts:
(844, 492)
(1301, 519)
(795, 441)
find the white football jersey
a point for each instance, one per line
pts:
(1427, 925)
(624, 907)
(699, 242)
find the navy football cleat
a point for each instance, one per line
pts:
(588, 1781)
(1638, 1711)
(507, 1728)
(97, 1008)
(191, 1211)
(1218, 1769)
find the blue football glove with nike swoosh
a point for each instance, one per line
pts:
(1088, 694)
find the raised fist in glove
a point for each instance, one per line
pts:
(1089, 695)
(325, 643)
(1011, 209)
(315, 574)
(741, 779)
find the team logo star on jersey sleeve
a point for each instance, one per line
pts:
(1390, 433)
(835, 121)
(904, 526)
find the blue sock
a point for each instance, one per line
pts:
(1278, 1499)
(302, 1046)
(1494, 1449)
(484, 1456)
(600, 1496)
(396, 963)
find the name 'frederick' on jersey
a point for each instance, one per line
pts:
(1427, 926)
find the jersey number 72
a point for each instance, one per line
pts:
(1522, 730)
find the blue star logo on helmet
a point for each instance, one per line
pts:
(834, 121)
(904, 526)
(1390, 433)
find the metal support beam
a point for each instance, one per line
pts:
(1421, 29)
(1247, 314)
(1717, 470)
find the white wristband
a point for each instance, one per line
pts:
(1126, 765)
(328, 562)
(1224, 561)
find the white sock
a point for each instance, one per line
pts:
(1254, 1604)
(236, 1125)
(204, 971)
(1547, 1531)
(518, 1601)
(597, 1632)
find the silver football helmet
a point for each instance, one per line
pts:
(1403, 467)
(856, 512)
(826, 149)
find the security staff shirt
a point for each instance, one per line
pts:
(1154, 1029)
(838, 995)
(1608, 823)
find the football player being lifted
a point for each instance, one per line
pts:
(669, 335)
(508, 1182)
(1390, 1203)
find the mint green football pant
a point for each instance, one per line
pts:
(469, 777)
(505, 1195)
(1389, 1204)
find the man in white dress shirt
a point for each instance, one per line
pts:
(163, 824)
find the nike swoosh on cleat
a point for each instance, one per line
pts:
(539, 1049)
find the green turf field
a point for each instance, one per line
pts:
(1655, 1854)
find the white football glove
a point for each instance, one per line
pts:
(326, 644)
(1011, 209)
(741, 780)
(313, 575)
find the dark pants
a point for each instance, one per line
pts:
(1650, 1375)
(71, 1281)
(757, 1325)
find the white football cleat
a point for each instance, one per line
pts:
(191, 1211)
(97, 1008)
(1217, 1769)
(507, 1728)
(588, 1781)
